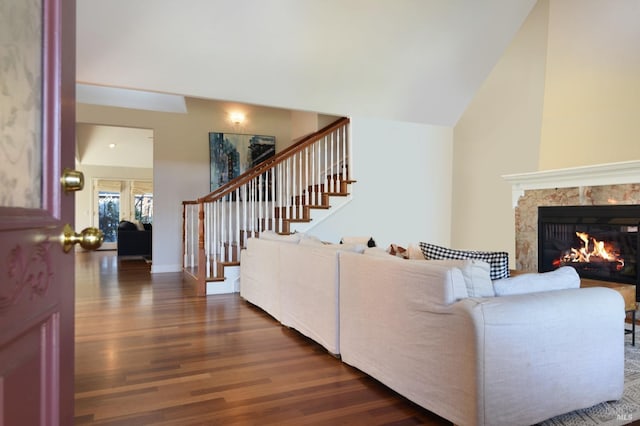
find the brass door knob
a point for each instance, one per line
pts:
(72, 180)
(89, 238)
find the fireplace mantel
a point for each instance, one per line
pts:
(600, 174)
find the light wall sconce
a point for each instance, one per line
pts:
(237, 117)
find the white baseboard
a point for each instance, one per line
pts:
(159, 269)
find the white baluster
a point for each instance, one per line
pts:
(347, 132)
(331, 165)
(216, 234)
(194, 241)
(185, 241)
(285, 213)
(207, 254)
(264, 223)
(272, 189)
(280, 186)
(237, 223)
(252, 207)
(326, 166)
(223, 229)
(293, 187)
(344, 154)
(300, 187)
(306, 176)
(257, 182)
(229, 227)
(312, 189)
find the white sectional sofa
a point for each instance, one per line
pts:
(295, 280)
(511, 360)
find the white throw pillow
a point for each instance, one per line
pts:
(559, 279)
(476, 275)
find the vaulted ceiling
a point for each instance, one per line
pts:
(407, 60)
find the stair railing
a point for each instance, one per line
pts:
(271, 196)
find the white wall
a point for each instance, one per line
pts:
(498, 134)
(403, 189)
(592, 88)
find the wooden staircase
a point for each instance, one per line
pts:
(290, 192)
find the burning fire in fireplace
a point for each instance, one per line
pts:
(592, 251)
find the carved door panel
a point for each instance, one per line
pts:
(37, 138)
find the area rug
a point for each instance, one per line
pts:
(622, 412)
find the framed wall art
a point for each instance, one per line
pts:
(231, 154)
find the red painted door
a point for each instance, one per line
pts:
(37, 131)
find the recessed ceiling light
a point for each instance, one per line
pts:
(112, 145)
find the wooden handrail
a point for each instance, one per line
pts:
(277, 194)
(269, 163)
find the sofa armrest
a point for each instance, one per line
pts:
(260, 275)
(534, 347)
(400, 324)
(485, 361)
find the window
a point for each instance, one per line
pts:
(109, 215)
(118, 200)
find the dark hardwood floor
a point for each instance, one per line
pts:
(148, 351)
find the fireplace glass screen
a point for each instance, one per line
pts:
(600, 242)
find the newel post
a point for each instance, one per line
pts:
(201, 289)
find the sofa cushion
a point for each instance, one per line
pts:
(379, 251)
(310, 240)
(559, 279)
(497, 260)
(356, 248)
(476, 275)
(367, 241)
(285, 238)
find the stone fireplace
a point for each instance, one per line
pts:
(616, 184)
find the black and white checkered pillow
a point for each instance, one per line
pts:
(497, 260)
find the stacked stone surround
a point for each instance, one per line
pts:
(526, 212)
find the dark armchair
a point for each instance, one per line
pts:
(132, 241)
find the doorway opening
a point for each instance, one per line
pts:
(121, 200)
